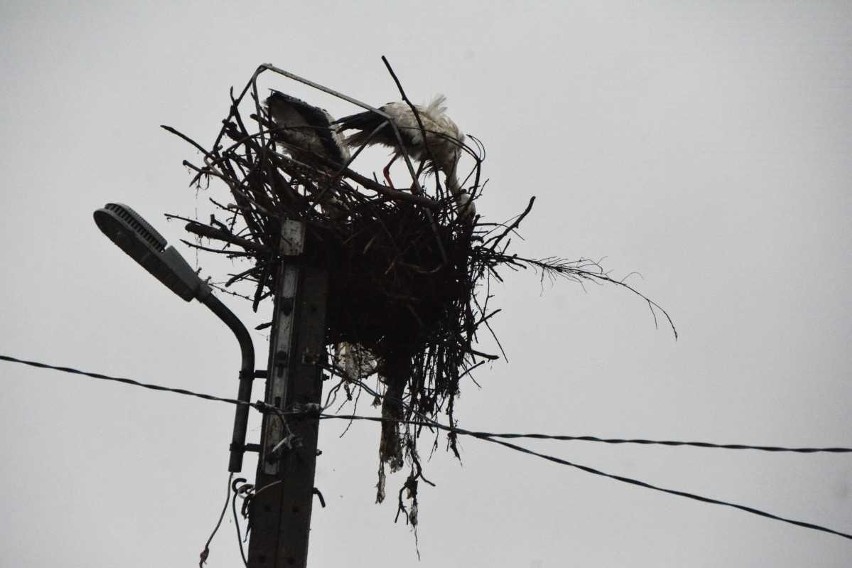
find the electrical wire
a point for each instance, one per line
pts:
(493, 438)
(206, 552)
(261, 406)
(236, 491)
(705, 445)
(565, 437)
(679, 493)
(489, 438)
(265, 408)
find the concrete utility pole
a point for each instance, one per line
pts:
(280, 513)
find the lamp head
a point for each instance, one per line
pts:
(145, 245)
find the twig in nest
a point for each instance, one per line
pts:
(223, 234)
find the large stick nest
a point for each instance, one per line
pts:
(408, 274)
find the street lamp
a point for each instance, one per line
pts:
(145, 245)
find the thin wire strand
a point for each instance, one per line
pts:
(559, 437)
(648, 442)
(237, 519)
(206, 552)
(676, 492)
(258, 405)
(584, 438)
(486, 437)
(263, 407)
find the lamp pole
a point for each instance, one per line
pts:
(280, 514)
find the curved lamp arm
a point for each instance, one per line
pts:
(136, 237)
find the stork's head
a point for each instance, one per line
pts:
(446, 140)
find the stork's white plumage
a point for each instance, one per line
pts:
(308, 132)
(438, 143)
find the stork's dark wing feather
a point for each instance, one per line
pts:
(365, 123)
(306, 128)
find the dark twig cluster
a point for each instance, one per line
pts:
(409, 274)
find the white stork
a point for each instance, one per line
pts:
(305, 130)
(438, 143)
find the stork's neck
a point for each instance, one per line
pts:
(453, 184)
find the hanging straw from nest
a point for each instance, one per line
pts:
(405, 267)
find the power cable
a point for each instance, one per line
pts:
(262, 407)
(265, 408)
(705, 445)
(206, 552)
(489, 438)
(237, 490)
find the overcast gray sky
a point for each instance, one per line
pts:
(702, 144)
